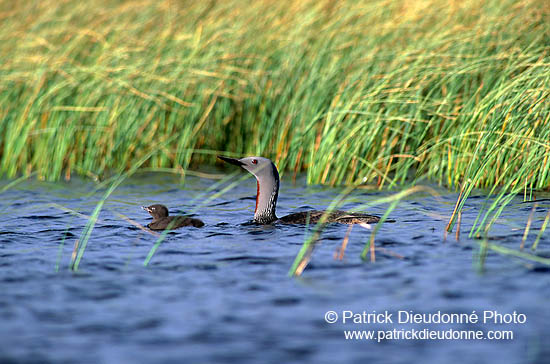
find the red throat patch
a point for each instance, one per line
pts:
(257, 196)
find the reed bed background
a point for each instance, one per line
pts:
(351, 91)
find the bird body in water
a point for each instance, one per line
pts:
(161, 220)
(267, 177)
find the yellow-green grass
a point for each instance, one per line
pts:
(350, 91)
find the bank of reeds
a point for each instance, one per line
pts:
(373, 91)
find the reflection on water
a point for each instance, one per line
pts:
(221, 293)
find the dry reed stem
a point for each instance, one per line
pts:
(339, 253)
(528, 226)
(304, 262)
(136, 224)
(389, 252)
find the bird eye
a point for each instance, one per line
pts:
(254, 161)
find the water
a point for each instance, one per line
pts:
(222, 294)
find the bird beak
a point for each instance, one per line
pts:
(145, 208)
(231, 160)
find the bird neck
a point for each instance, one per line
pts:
(266, 198)
(157, 218)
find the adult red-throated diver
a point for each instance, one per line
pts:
(268, 190)
(161, 220)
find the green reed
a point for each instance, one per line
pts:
(380, 91)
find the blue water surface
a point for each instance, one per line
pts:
(222, 294)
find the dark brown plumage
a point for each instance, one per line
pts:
(161, 220)
(338, 216)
